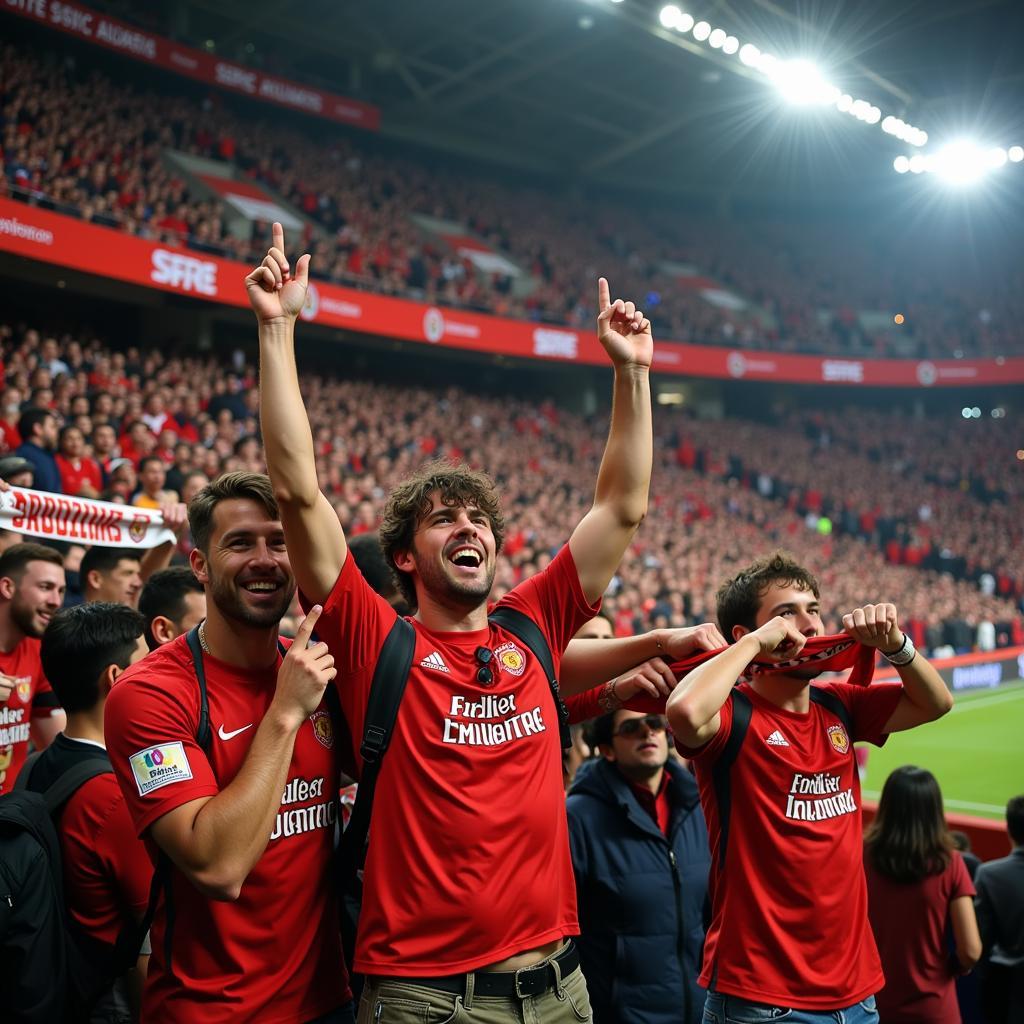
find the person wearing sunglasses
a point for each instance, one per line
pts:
(641, 858)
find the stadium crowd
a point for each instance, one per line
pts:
(941, 537)
(74, 140)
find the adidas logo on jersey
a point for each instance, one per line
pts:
(777, 740)
(435, 661)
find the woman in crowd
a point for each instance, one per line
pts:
(918, 890)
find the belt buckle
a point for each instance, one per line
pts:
(520, 994)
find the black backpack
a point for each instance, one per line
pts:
(386, 690)
(49, 971)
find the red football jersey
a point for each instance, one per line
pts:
(469, 849)
(31, 697)
(789, 919)
(274, 955)
(107, 872)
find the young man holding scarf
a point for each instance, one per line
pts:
(789, 934)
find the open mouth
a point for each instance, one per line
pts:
(262, 587)
(466, 557)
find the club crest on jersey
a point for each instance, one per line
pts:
(323, 728)
(24, 689)
(511, 659)
(838, 738)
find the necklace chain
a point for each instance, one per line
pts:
(202, 638)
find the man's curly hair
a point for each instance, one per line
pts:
(459, 486)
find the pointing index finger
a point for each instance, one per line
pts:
(604, 298)
(278, 236)
(305, 630)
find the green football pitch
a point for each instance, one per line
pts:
(976, 752)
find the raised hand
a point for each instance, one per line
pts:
(274, 293)
(689, 640)
(304, 673)
(623, 330)
(653, 677)
(875, 625)
(780, 640)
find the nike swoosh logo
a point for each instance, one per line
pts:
(231, 735)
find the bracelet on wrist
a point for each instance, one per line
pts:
(903, 655)
(607, 699)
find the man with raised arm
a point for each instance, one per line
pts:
(468, 887)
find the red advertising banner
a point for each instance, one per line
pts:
(130, 41)
(65, 241)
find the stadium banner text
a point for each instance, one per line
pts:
(68, 242)
(81, 520)
(987, 670)
(93, 27)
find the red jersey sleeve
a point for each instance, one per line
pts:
(713, 747)
(151, 739)
(44, 700)
(554, 599)
(355, 622)
(870, 708)
(584, 706)
(960, 879)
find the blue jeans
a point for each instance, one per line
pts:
(722, 1009)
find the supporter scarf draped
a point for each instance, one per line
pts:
(826, 653)
(81, 520)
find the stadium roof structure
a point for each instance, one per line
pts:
(600, 91)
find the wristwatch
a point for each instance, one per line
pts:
(905, 655)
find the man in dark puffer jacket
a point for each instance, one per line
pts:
(640, 852)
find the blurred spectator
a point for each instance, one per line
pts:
(107, 871)
(171, 603)
(38, 429)
(112, 575)
(17, 471)
(80, 474)
(918, 886)
(152, 475)
(641, 858)
(1000, 907)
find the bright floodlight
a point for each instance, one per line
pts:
(670, 16)
(686, 22)
(844, 103)
(731, 45)
(701, 31)
(801, 83)
(768, 65)
(718, 38)
(917, 164)
(901, 165)
(889, 125)
(1016, 154)
(873, 116)
(749, 54)
(996, 157)
(961, 163)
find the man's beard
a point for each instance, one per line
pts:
(224, 593)
(24, 617)
(465, 594)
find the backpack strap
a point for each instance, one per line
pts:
(526, 630)
(203, 736)
(386, 690)
(721, 772)
(21, 782)
(64, 788)
(830, 702)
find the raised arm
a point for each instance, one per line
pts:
(693, 709)
(925, 694)
(216, 841)
(316, 541)
(620, 501)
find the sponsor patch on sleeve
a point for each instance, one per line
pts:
(160, 766)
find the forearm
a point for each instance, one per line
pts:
(624, 478)
(694, 703)
(156, 558)
(231, 831)
(925, 688)
(287, 438)
(587, 663)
